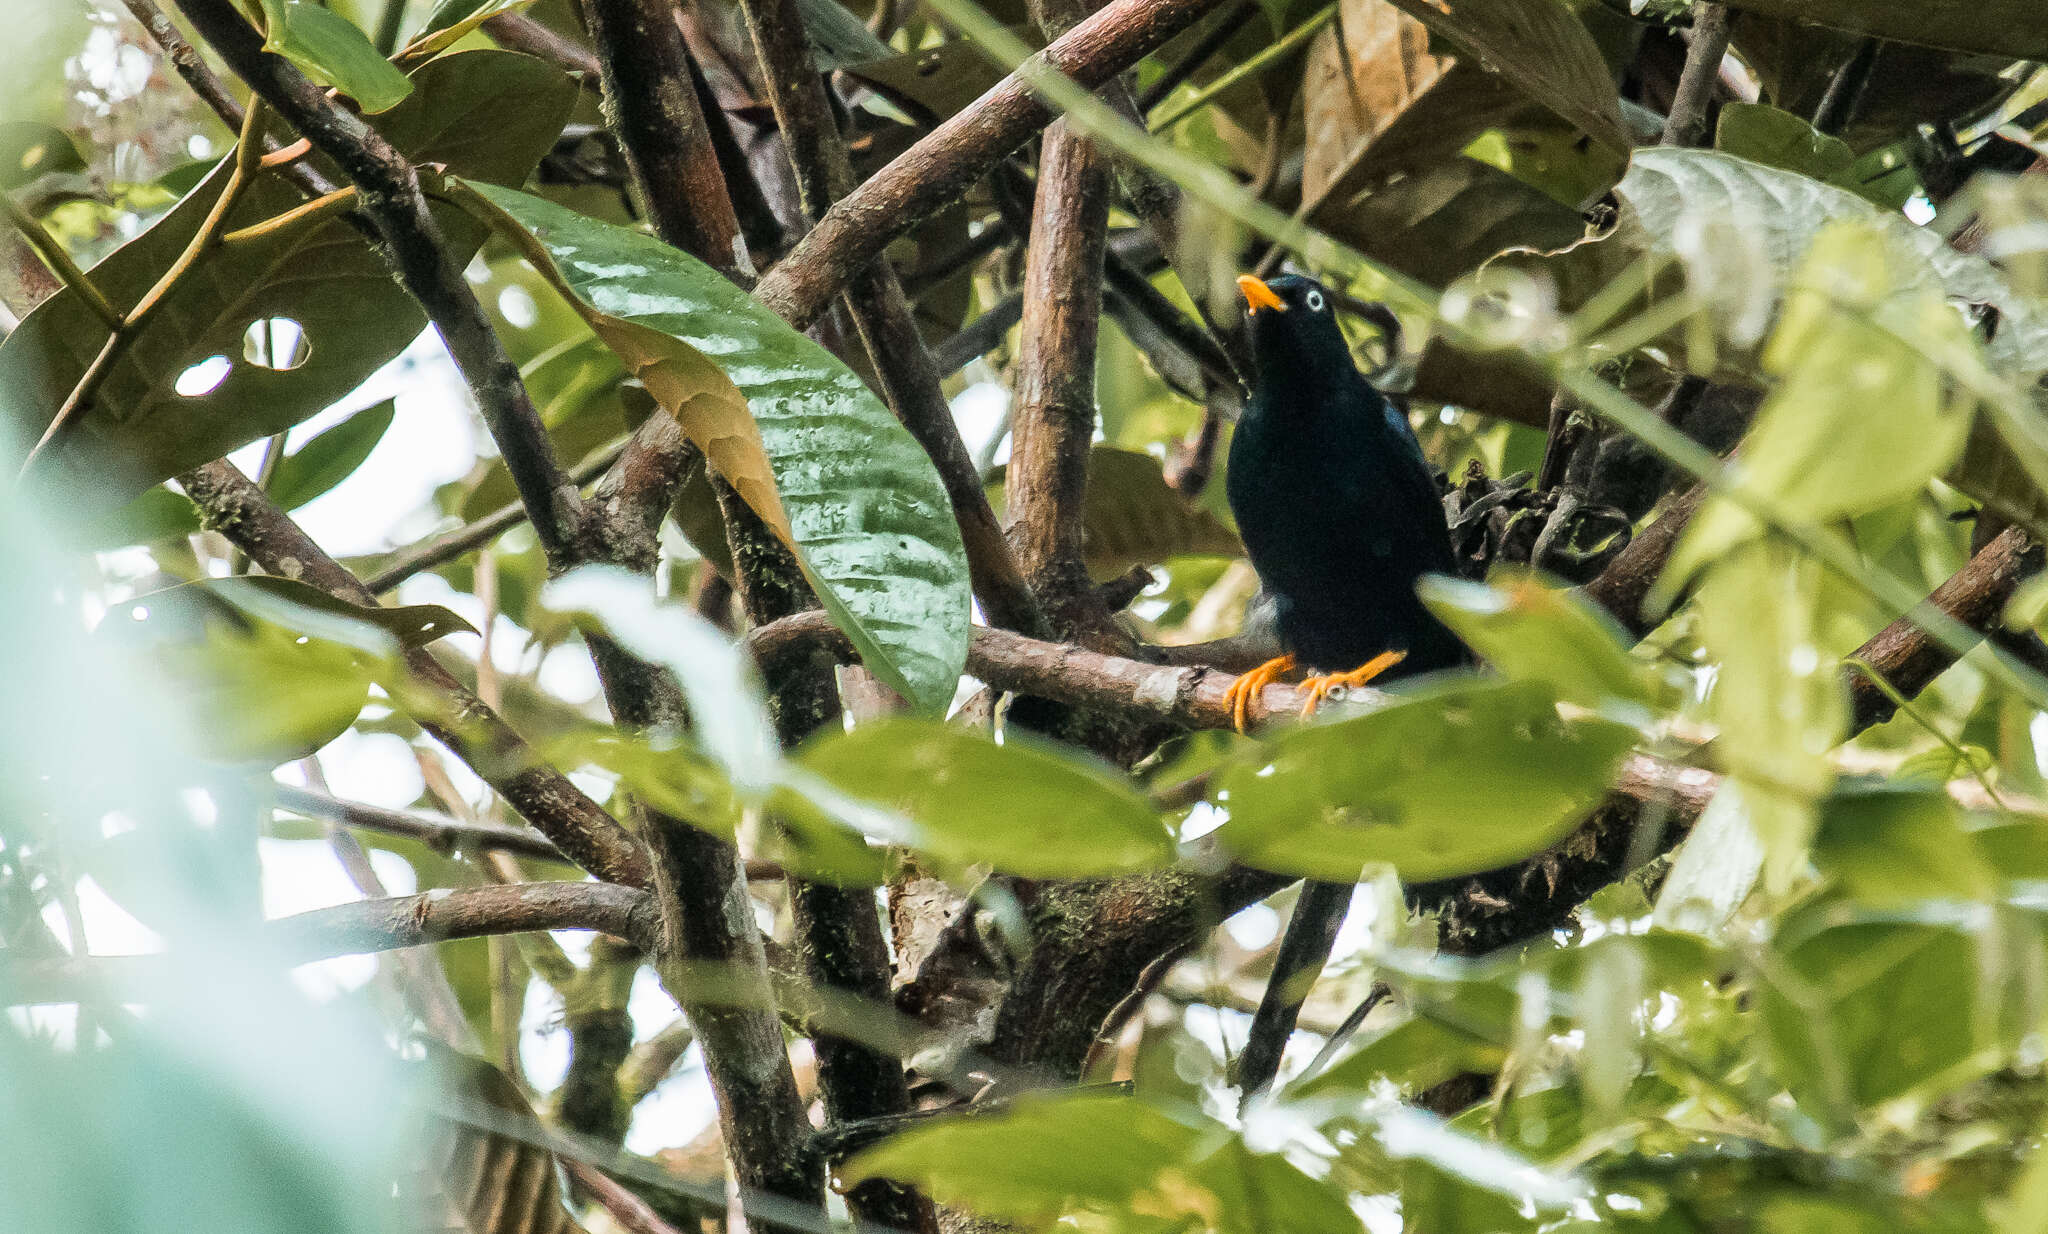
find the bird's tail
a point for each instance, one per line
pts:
(1304, 949)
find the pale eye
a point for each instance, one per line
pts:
(1314, 300)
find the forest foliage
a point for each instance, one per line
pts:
(1713, 901)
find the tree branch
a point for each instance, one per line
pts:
(651, 105)
(706, 916)
(390, 195)
(188, 63)
(1053, 422)
(1693, 105)
(959, 152)
(231, 504)
(467, 912)
(452, 544)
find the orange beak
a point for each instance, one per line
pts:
(1257, 295)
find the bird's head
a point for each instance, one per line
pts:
(1293, 325)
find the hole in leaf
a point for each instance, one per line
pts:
(203, 377)
(516, 306)
(276, 343)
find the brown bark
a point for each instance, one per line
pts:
(938, 169)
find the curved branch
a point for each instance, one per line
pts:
(959, 152)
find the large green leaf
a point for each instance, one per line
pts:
(1816, 452)
(1470, 776)
(1534, 632)
(331, 50)
(1024, 807)
(1041, 1156)
(864, 506)
(491, 114)
(1781, 212)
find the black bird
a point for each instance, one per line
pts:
(1340, 516)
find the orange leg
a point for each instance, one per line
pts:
(1247, 688)
(1319, 688)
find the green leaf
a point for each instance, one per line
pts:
(1531, 631)
(1815, 452)
(1764, 134)
(1540, 46)
(1778, 701)
(264, 693)
(492, 114)
(330, 457)
(838, 38)
(728, 712)
(1403, 785)
(1416, 1054)
(2010, 28)
(1888, 846)
(1025, 807)
(328, 48)
(1674, 200)
(30, 151)
(865, 509)
(1865, 1012)
(157, 514)
(1040, 1156)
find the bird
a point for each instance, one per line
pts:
(1340, 515)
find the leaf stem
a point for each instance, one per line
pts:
(59, 260)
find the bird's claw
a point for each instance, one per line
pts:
(1321, 687)
(1248, 686)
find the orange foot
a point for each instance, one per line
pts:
(1247, 688)
(1319, 688)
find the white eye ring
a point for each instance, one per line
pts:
(1314, 300)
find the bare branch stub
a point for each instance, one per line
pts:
(938, 169)
(466, 912)
(412, 244)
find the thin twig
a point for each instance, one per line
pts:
(1844, 97)
(1693, 103)
(450, 545)
(232, 505)
(1225, 29)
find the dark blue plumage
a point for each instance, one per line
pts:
(1340, 515)
(1337, 508)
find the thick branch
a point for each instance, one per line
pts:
(391, 197)
(838, 930)
(706, 916)
(231, 504)
(467, 912)
(1054, 417)
(651, 105)
(959, 152)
